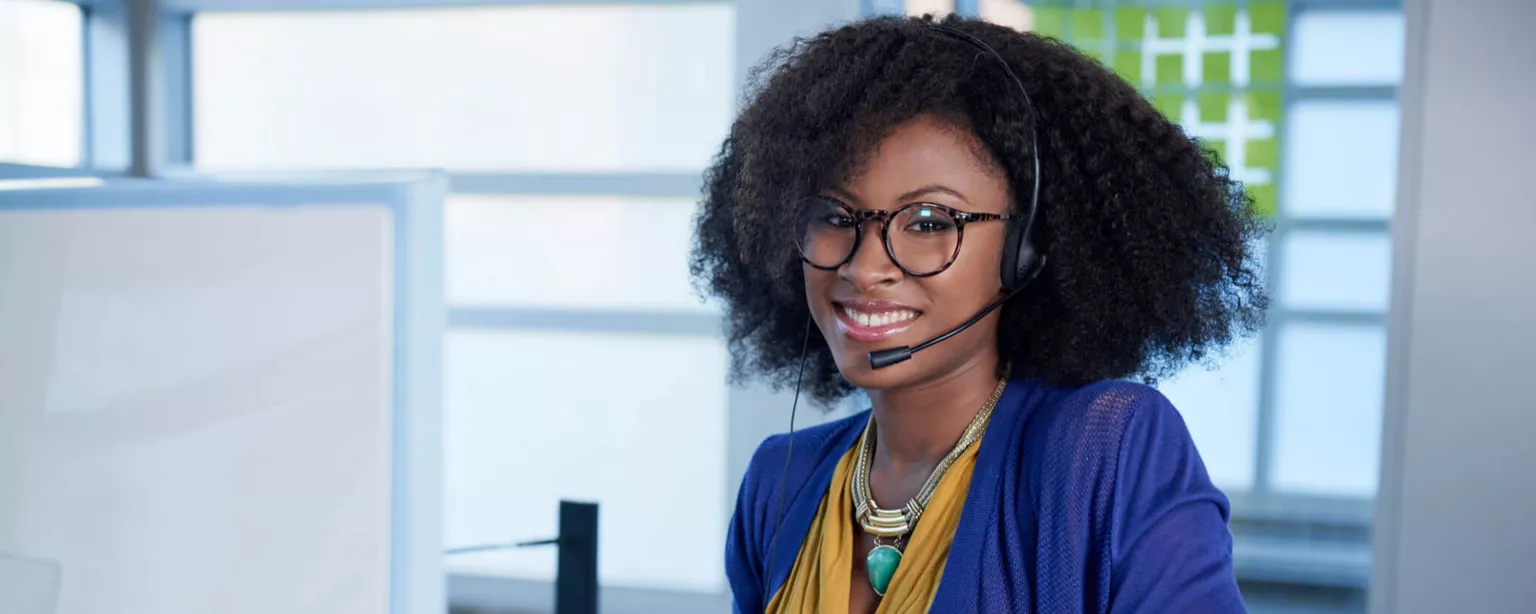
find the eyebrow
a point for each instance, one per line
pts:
(909, 196)
(931, 189)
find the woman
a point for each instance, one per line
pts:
(878, 192)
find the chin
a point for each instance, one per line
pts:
(854, 365)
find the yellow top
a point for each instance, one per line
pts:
(819, 580)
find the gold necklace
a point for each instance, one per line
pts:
(883, 559)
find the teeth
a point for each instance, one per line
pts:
(879, 320)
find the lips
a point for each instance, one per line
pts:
(871, 321)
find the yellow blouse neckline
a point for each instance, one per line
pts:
(822, 573)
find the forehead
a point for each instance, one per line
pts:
(927, 151)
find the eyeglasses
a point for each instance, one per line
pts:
(925, 241)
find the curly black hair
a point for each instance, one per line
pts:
(1152, 247)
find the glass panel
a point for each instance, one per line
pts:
(528, 88)
(1348, 48)
(195, 414)
(1337, 271)
(1221, 408)
(1341, 159)
(1328, 404)
(526, 428)
(571, 252)
(938, 8)
(1216, 69)
(42, 82)
(1012, 13)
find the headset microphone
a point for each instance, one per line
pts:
(881, 359)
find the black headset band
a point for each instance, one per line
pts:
(1024, 270)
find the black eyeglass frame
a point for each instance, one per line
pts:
(863, 216)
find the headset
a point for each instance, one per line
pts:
(1021, 264)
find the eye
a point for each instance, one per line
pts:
(838, 220)
(928, 220)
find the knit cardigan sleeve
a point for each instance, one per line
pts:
(743, 562)
(1171, 548)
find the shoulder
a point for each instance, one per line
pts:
(793, 458)
(1107, 435)
(1120, 399)
(1103, 418)
(1121, 451)
(802, 449)
(1146, 456)
(1143, 421)
(778, 473)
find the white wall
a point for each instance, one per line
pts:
(1458, 494)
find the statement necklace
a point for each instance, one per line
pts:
(883, 559)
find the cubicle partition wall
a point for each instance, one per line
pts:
(221, 397)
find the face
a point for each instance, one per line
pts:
(869, 303)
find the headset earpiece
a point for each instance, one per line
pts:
(1020, 262)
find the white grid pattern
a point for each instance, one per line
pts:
(1192, 47)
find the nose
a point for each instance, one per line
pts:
(870, 267)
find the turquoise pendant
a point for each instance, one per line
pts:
(881, 565)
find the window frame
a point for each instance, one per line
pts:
(1292, 538)
(175, 32)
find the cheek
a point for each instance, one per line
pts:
(815, 281)
(817, 286)
(979, 263)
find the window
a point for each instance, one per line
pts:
(1334, 250)
(623, 88)
(575, 136)
(929, 7)
(526, 427)
(1348, 48)
(42, 82)
(1341, 159)
(1328, 395)
(1221, 409)
(571, 252)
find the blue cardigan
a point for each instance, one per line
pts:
(1083, 500)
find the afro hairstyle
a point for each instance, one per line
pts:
(1152, 248)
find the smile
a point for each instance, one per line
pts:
(869, 322)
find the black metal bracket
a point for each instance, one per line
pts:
(576, 562)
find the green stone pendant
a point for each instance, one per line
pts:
(881, 565)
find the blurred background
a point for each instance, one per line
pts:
(570, 136)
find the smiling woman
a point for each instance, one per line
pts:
(858, 299)
(893, 182)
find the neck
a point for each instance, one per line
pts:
(916, 426)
